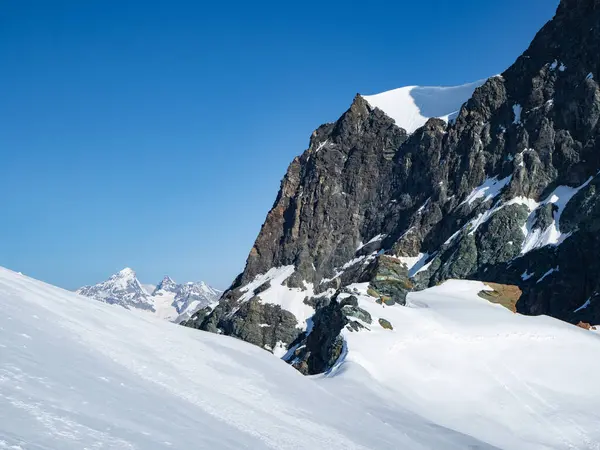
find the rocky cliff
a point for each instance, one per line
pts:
(505, 192)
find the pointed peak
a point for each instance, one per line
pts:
(127, 272)
(166, 284)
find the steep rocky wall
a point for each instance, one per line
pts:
(507, 193)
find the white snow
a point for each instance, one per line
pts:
(353, 261)
(554, 65)
(488, 190)
(536, 238)
(379, 237)
(365, 259)
(163, 305)
(290, 299)
(512, 381)
(411, 261)
(451, 238)
(148, 288)
(585, 305)
(321, 145)
(423, 206)
(94, 376)
(415, 264)
(481, 218)
(411, 106)
(167, 300)
(549, 272)
(517, 109)
(280, 349)
(456, 372)
(526, 276)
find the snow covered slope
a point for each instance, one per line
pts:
(412, 106)
(167, 300)
(517, 382)
(455, 373)
(76, 373)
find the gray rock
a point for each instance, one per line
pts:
(363, 177)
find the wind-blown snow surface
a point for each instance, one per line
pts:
(76, 373)
(412, 106)
(517, 382)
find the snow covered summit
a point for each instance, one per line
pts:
(122, 288)
(167, 300)
(412, 106)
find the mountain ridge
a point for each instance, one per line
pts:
(506, 193)
(168, 300)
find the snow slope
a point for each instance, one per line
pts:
(517, 382)
(76, 373)
(455, 373)
(412, 106)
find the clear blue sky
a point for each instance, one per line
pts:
(154, 134)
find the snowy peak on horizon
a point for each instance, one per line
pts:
(411, 106)
(123, 288)
(166, 284)
(167, 300)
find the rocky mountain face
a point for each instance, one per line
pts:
(168, 300)
(505, 193)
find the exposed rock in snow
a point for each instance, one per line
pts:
(483, 199)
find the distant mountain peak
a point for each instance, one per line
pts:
(166, 284)
(126, 272)
(168, 300)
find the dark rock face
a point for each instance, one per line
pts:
(389, 280)
(331, 198)
(323, 346)
(320, 349)
(261, 324)
(531, 132)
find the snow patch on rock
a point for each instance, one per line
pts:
(488, 190)
(290, 299)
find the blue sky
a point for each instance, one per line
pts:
(154, 134)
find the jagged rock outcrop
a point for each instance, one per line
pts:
(331, 198)
(507, 193)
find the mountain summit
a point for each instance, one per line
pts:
(122, 288)
(168, 300)
(166, 284)
(412, 106)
